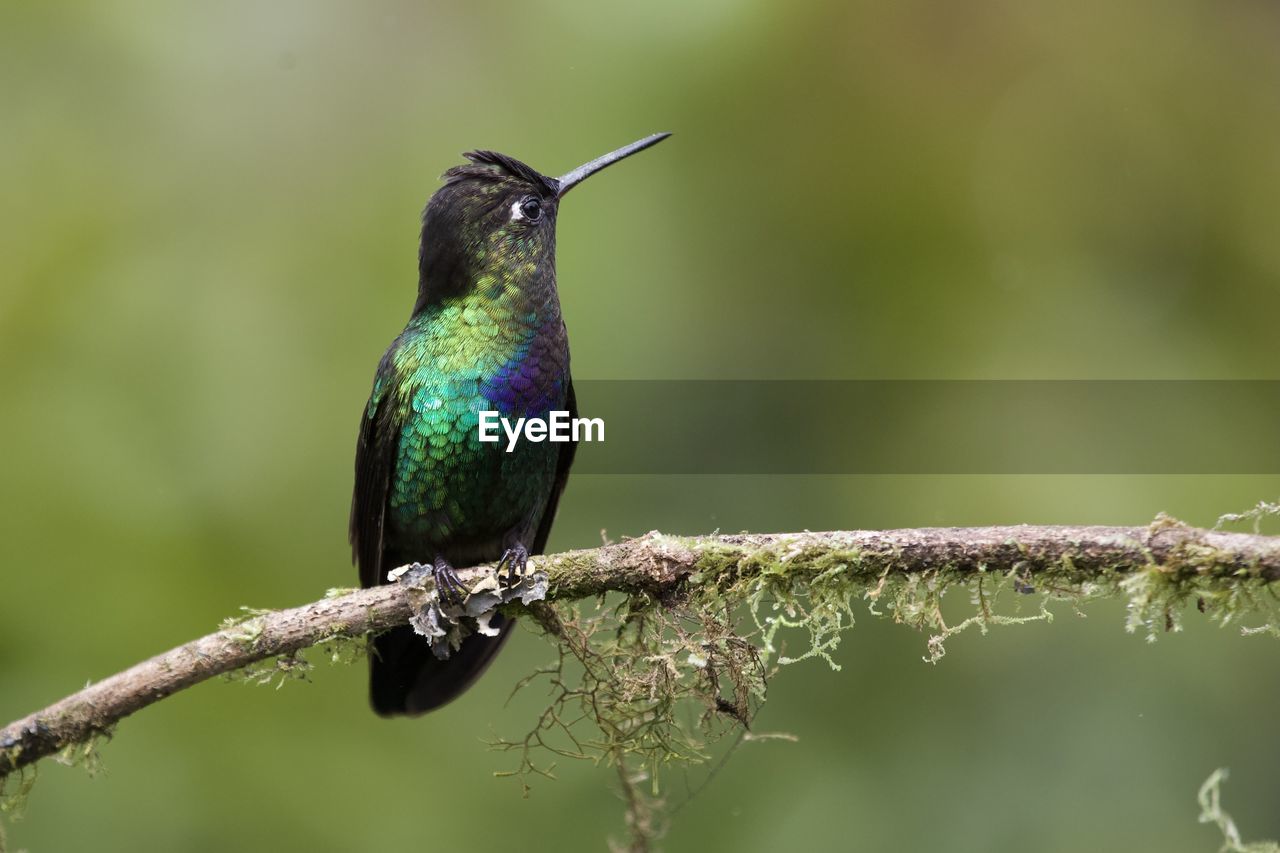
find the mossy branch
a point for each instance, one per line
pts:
(1159, 567)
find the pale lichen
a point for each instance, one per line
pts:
(1255, 515)
(445, 626)
(1210, 798)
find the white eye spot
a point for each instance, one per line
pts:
(527, 209)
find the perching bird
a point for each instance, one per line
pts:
(486, 334)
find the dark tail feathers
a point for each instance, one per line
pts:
(405, 677)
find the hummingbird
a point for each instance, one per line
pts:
(486, 334)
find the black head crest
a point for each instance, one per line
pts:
(504, 165)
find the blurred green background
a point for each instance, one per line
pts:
(208, 226)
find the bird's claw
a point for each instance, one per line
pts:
(516, 561)
(449, 587)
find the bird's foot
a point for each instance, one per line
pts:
(516, 561)
(449, 587)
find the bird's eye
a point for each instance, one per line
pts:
(531, 208)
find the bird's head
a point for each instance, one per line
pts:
(493, 223)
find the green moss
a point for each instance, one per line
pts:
(87, 754)
(652, 678)
(629, 670)
(13, 795)
(15, 788)
(296, 666)
(246, 629)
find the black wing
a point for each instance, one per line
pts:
(567, 451)
(375, 455)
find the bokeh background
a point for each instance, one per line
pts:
(208, 225)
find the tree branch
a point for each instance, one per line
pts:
(661, 566)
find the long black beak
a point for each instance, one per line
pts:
(572, 179)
